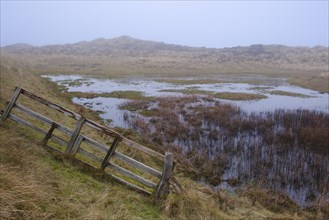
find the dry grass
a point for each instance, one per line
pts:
(34, 185)
(201, 202)
(193, 204)
(272, 201)
(24, 193)
(319, 83)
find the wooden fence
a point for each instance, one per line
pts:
(91, 155)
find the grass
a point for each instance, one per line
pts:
(239, 96)
(273, 201)
(36, 185)
(285, 93)
(318, 83)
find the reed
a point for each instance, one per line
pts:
(211, 134)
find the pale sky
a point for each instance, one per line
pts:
(193, 23)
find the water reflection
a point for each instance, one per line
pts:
(110, 110)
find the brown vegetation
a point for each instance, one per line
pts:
(239, 96)
(206, 137)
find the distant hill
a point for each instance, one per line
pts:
(129, 55)
(123, 45)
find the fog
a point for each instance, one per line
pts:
(202, 24)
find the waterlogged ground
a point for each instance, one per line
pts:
(271, 133)
(266, 94)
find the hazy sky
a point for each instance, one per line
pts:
(193, 23)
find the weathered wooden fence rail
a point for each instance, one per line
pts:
(94, 154)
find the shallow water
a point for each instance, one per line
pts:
(151, 87)
(240, 163)
(108, 108)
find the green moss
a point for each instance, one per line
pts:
(239, 96)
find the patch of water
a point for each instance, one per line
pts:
(316, 101)
(273, 102)
(109, 108)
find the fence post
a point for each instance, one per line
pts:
(11, 104)
(76, 146)
(110, 152)
(75, 136)
(48, 135)
(162, 189)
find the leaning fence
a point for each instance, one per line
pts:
(104, 157)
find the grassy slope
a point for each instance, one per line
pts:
(34, 184)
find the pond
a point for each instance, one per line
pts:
(277, 93)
